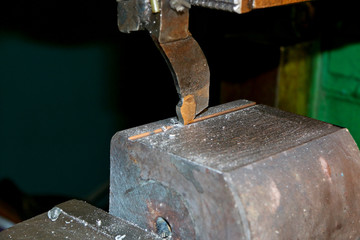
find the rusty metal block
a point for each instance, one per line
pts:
(254, 173)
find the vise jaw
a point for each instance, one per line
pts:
(252, 173)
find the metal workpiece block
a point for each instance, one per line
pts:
(246, 172)
(76, 220)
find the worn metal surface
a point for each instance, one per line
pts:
(167, 21)
(191, 71)
(169, 30)
(76, 220)
(256, 173)
(188, 65)
(185, 59)
(241, 6)
(133, 12)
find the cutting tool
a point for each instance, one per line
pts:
(167, 21)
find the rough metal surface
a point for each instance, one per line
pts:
(190, 71)
(134, 15)
(185, 59)
(168, 27)
(169, 30)
(76, 220)
(256, 173)
(241, 6)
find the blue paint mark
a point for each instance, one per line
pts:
(342, 174)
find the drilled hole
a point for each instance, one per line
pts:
(163, 228)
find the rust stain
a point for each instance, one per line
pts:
(153, 212)
(160, 210)
(275, 196)
(177, 218)
(188, 109)
(325, 167)
(132, 158)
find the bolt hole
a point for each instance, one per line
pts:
(163, 228)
